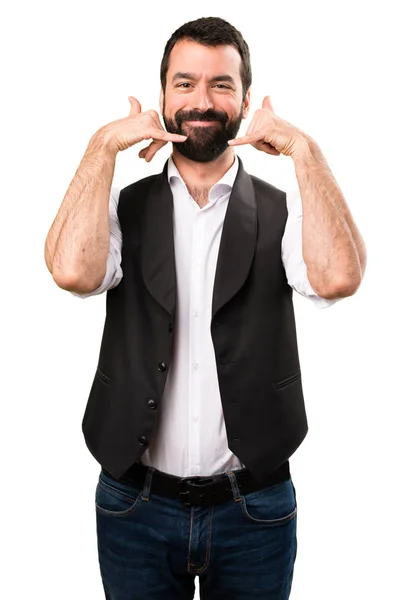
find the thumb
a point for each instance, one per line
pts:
(267, 104)
(135, 107)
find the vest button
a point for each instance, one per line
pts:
(162, 366)
(142, 440)
(170, 328)
(151, 403)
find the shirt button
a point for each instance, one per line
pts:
(195, 366)
(195, 419)
(194, 471)
(162, 366)
(195, 313)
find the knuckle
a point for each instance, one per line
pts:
(151, 115)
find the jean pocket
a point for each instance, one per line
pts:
(114, 498)
(273, 505)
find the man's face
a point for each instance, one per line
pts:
(203, 98)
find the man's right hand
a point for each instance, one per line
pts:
(137, 126)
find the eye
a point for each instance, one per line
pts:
(222, 86)
(185, 83)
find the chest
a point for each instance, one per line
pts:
(197, 234)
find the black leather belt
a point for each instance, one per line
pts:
(199, 490)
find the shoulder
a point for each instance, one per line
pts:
(265, 188)
(139, 186)
(132, 198)
(269, 198)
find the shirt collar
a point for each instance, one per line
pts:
(225, 184)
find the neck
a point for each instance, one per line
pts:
(203, 175)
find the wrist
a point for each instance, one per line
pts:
(305, 150)
(101, 142)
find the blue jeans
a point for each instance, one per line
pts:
(152, 546)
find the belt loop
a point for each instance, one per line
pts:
(234, 486)
(147, 483)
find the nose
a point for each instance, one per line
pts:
(201, 99)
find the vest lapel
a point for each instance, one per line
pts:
(237, 245)
(238, 241)
(157, 244)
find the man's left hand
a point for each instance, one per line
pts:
(270, 133)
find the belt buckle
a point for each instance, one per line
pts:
(189, 481)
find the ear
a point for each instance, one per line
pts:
(246, 104)
(161, 100)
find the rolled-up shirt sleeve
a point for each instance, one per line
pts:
(292, 252)
(114, 273)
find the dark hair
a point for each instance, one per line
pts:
(210, 31)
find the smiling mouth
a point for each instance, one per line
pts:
(201, 123)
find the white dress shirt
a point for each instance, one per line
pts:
(190, 437)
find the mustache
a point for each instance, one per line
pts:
(196, 115)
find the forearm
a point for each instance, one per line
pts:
(333, 248)
(77, 244)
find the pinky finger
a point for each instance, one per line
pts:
(246, 139)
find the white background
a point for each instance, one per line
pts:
(334, 70)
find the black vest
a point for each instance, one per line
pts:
(253, 330)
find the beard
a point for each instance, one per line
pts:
(205, 143)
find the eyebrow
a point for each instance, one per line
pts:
(193, 76)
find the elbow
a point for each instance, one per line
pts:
(336, 288)
(72, 283)
(67, 282)
(343, 289)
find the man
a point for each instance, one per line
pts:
(197, 401)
